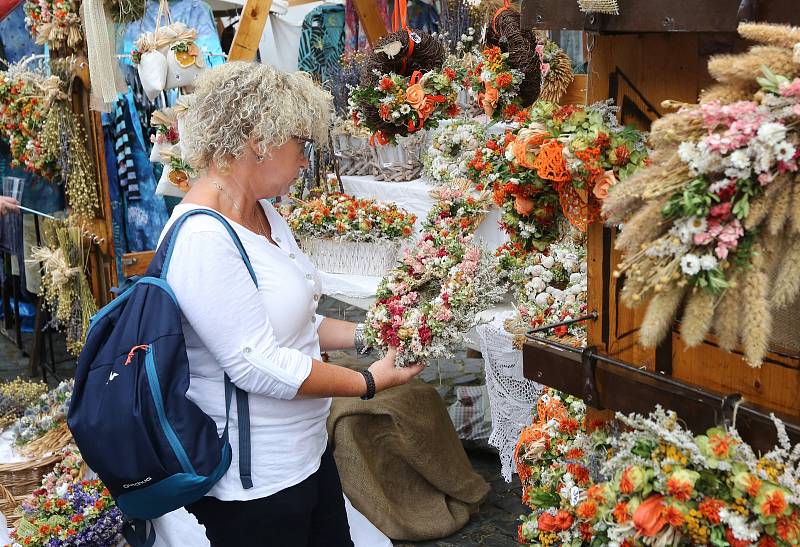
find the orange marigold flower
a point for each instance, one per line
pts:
(579, 472)
(733, 541)
(674, 516)
(767, 541)
(564, 520)
(574, 454)
(709, 508)
(620, 512)
(587, 510)
(774, 504)
(504, 79)
(680, 490)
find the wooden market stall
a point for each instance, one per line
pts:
(654, 51)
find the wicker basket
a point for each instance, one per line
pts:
(354, 155)
(351, 257)
(401, 161)
(22, 478)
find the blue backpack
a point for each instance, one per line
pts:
(153, 448)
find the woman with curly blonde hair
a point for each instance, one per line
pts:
(246, 132)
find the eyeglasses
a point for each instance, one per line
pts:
(308, 146)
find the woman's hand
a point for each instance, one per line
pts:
(387, 375)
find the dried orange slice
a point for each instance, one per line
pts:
(180, 179)
(184, 58)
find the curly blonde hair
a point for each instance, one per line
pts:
(238, 101)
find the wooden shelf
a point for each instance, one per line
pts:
(638, 16)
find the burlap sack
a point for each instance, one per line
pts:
(402, 464)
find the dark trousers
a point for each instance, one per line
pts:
(310, 514)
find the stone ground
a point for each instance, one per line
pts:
(494, 525)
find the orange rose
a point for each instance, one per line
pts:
(603, 184)
(649, 516)
(523, 206)
(489, 100)
(426, 109)
(415, 96)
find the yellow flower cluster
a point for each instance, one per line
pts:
(548, 538)
(770, 468)
(740, 506)
(696, 527)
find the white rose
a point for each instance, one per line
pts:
(548, 262)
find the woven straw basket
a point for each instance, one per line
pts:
(351, 257)
(22, 478)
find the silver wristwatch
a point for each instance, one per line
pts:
(358, 340)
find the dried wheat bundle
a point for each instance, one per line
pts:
(711, 229)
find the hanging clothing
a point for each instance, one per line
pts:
(280, 42)
(355, 37)
(423, 15)
(122, 150)
(194, 14)
(322, 41)
(114, 196)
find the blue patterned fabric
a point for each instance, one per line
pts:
(193, 13)
(115, 199)
(322, 41)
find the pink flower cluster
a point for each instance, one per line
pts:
(742, 120)
(726, 235)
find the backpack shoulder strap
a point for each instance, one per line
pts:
(158, 268)
(160, 263)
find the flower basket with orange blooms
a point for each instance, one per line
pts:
(587, 152)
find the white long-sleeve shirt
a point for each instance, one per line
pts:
(264, 338)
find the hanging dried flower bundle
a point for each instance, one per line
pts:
(65, 288)
(714, 223)
(22, 114)
(55, 23)
(126, 11)
(64, 139)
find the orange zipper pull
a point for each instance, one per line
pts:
(133, 350)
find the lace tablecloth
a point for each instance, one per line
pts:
(511, 396)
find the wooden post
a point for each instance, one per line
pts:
(251, 27)
(370, 19)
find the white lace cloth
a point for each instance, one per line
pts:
(511, 396)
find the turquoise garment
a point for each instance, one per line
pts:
(322, 41)
(192, 13)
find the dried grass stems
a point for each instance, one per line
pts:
(756, 323)
(726, 319)
(795, 212)
(697, 317)
(727, 93)
(558, 79)
(746, 67)
(675, 128)
(505, 31)
(657, 321)
(777, 35)
(645, 226)
(787, 276)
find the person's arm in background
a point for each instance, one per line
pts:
(8, 204)
(336, 334)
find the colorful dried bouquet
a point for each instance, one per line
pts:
(69, 511)
(48, 412)
(670, 487)
(340, 216)
(427, 304)
(56, 23)
(400, 106)
(496, 84)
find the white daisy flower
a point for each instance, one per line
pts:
(772, 133)
(784, 151)
(690, 264)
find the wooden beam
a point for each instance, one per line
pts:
(656, 15)
(576, 92)
(371, 19)
(251, 27)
